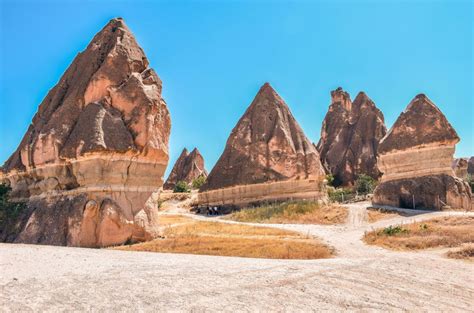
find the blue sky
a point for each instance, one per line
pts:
(214, 55)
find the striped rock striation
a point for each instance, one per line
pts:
(187, 168)
(95, 151)
(415, 157)
(350, 135)
(267, 145)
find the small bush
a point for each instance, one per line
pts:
(198, 182)
(340, 194)
(365, 184)
(181, 186)
(330, 180)
(391, 230)
(9, 211)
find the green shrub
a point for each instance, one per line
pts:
(365, 184)
(391, 230)
(198, 182)
(340, 194)
(330, 179)
(9, 211)
(181, 186)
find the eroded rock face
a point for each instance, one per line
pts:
(96, 149)
(266, 145)
(350, 136)
(460, 166)
(416, 156)
(187, 168)
(470, 166)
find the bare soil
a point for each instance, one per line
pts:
(360, 278)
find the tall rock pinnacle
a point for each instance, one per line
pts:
(98, 143)
(188, 167)
(350, 135)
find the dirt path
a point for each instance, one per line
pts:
(360, 278)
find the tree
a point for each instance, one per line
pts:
(198, 181)
(365, 184)
(181, 186)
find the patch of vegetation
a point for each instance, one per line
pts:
(464, 253)
(330, 180)
(391, 230)
(198, 182)
(181, 186)
(224, 239)
(304, 212)
(452, 231)
(9, 212)
(365, 184)
(340, 194)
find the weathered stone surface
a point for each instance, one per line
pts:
(99, 137)
(470, 166)
(266, 145)
(350, 136)
(460, 166)
(188, 167)
(416, 156)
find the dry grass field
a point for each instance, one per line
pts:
(299, 212)
(464, 253)
(225, 239)
(377, 214)
(440, 232)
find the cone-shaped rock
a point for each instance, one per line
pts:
(187, 168)
(416, 157)
(266, 145)
(95, 150)
(350, 136)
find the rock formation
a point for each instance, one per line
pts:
(187, 168)
(96, 149)
(350, 135)
(460, 166)
(415, 157)
(267, 145)
(470, 166)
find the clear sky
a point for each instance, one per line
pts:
(214, 55)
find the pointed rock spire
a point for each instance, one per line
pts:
(350, 135)
(187, 168)
(267, 144)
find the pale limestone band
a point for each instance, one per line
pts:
(310, 189)
(422, 161)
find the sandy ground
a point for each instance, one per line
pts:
(359, 278)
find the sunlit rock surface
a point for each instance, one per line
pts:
(187, 168)
(96, 149)
(267, 145)
(350, 135)
(416, 157)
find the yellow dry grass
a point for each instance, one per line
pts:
(464, 253)
(439, 232)
(375, 214)
(224, 239)
(300, 212)
(166, 220)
